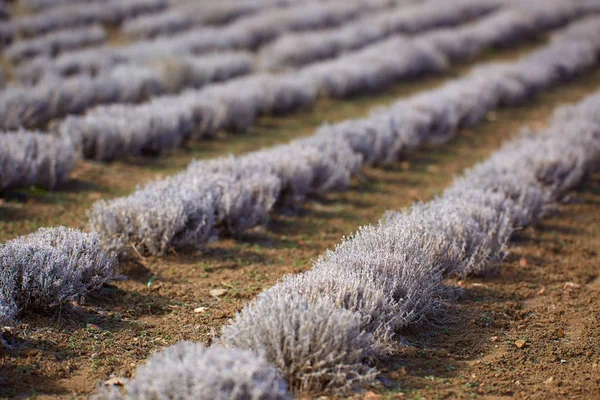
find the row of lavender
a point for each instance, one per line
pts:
(320, 330)
(76, 15)
(226, 196)
(41, 5)
(50, 45)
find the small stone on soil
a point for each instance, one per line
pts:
(114, 381)
(571, 285)
(520, 343)
(200, 309)
(523, 262)
(218, 292)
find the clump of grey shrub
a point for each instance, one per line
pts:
(334, 154)
(191, 371)
(223, 196)
(34, 158)
(50, 268)
(315, 344)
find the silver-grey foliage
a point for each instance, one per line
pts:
(226, 195)
(39, 5)
(247, 33)
(191, 371)
(54, 43)
(321, 328)
(49, 268)
(55, 97)
(392, 273)
(236, 104)
(77, 15)
(34, 158)
(186, 15)
(315, 344)
(293, 49)
(514, 20)
(332, 156)
(4, 11)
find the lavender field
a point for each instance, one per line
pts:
(276, 199)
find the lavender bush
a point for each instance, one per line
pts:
(34, 158)
(49, 268)
(191, 371)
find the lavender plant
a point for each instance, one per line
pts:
(34, 158)
(50, 268)
(191, 371)
(316, 345)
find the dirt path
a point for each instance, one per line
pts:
(68, 353)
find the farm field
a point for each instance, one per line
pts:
(502, 304)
